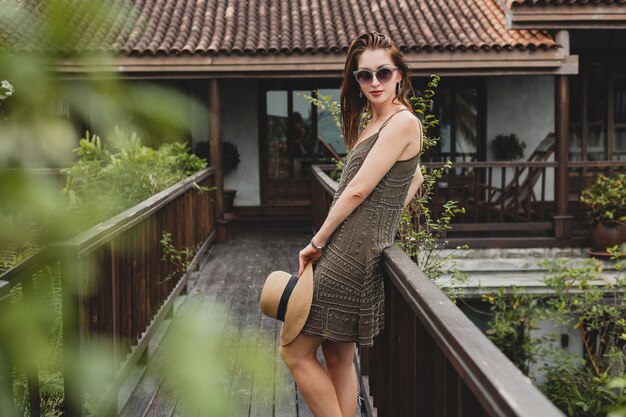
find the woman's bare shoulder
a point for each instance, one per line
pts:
(404, 124)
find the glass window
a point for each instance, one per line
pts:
(456, 107)
(327, 128)
(277, 134)
(302, 130)
(596, 113)
(299, 134)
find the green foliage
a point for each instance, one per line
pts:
(510, 325)
(577, 391)
(46, 353)
(508, 147)
(419, 230)
(6, 90)
(619, 409)
(423, 106)
(105, 182)
(324, 103)
(607, 200)
(336, 174)
(179, 258)
(582, 299)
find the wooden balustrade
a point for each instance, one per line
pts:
(431, 360)
(322, 191)
(116, 286)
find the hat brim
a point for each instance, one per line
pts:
(298, 312)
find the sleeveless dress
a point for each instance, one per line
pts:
(348, 292)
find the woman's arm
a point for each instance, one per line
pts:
(391, 143)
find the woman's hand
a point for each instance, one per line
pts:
(308, 254)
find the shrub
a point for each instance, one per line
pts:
(103, 182)
(607, 200)
(580, 387)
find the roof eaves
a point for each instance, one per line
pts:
(444, 62)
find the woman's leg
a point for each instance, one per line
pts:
(314, 383)
(339, 363)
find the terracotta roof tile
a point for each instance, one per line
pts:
(514, 3)
(173, 27)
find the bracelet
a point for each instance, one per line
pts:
(318, 249)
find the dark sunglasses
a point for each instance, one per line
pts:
(365, 76)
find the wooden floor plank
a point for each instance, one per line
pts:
(234, 273)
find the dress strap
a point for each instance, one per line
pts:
(389, 118)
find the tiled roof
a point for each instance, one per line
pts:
(224, 27)
(513, 3)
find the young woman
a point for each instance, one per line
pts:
(380, 176)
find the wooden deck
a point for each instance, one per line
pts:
(234, 272)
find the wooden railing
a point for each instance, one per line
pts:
(431, 360)
(116, 287)
(514, 196)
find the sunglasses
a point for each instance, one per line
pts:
(365, 76)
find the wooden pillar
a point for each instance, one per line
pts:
(562, 219)
(215, 151)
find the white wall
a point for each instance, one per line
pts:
(523, 105)
(240, 126)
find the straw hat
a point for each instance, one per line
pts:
(288, 298)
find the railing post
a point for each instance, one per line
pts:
(562, 219)
(7, 402)
(32, 369)
(215, 144)
(71, 271)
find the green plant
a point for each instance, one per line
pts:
(578, 386)
(6, 90)
(230, 157)
(619, 409)
(420, 231)
(179, 258)
(104, 182)
(607, 200)
(508, 147)
(510, 325)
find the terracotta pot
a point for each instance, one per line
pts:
(603, 236)
(229, 198)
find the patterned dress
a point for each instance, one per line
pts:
(348, 295)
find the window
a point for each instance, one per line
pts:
(458, 106)
(298, 133)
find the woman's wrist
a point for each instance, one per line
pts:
(318, 248)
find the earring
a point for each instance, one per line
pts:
(399, 87)
(360, 94)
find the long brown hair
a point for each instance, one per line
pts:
(352, 104)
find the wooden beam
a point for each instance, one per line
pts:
(215, 146)
(562, 218)
(582, 16)
(475, 62)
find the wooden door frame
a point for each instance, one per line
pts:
(283, 85)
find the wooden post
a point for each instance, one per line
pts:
(562, 219)
(72, 270)
(215, 151)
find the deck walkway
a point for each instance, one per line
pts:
(234, 272)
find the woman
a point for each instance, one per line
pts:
(380, 176)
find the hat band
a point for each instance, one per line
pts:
(282, 305)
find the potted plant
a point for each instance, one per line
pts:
(507, 147)
(230, 162)
(607, 201)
